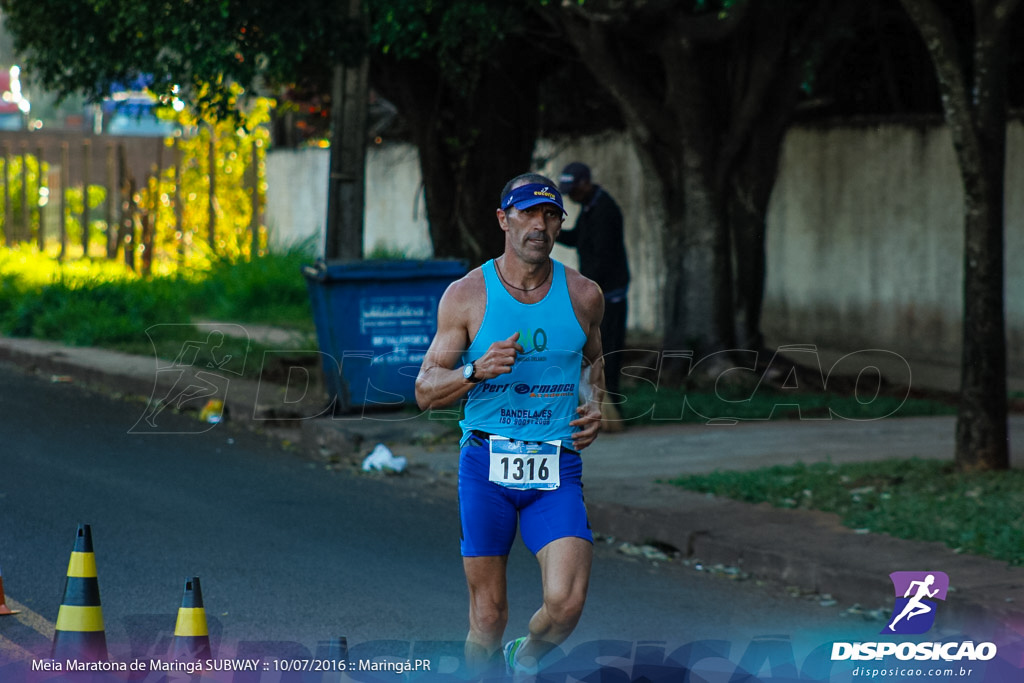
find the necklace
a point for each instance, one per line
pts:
(521, 289)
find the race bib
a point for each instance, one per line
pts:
(524, 464)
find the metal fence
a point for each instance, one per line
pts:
(139, 199)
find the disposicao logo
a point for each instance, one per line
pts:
(914, 609)
(914, 613)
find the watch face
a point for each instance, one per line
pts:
(467, 371)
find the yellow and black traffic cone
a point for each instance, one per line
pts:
(78, 634)
(4, 609)
(191, 635)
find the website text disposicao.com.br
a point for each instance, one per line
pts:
(952, 659)
(904, 672)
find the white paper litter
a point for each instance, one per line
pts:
(383, 459)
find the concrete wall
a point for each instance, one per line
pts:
(296, 197)
(394, 219)
(865, 241)
(865, 230)
(395, 212)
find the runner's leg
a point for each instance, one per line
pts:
(565, 574)
(489, 521)
(488, 608)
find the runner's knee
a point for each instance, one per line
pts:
(564, 607)
(489, 616)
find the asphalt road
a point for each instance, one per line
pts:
(290, 553)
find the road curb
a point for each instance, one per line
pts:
(812, 551)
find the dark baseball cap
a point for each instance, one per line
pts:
(572, 174)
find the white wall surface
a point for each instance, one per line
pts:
(395, 218)
(865, 240)
(865, 230)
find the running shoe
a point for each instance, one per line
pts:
(511, 650)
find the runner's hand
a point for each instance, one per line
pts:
(589, 422)
(499, 358)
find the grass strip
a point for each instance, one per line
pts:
(928, 500)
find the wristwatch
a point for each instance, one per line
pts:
(469, 373)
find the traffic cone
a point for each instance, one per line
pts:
(4, 609)
(191, 635)
(78, 634)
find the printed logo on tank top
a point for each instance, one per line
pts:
(534, 343)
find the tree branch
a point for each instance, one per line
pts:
(705, 28)
(710, 28)
(778, 77)
(591, 40)
(941, 43)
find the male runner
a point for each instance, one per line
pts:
(519, 338)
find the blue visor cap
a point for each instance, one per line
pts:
(525, 196)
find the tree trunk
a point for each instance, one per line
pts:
(675, 136)
(981, 429)
(469, 146)
(767, 64)
(747, 208)
(748, 193)
(982, 440)
(706, 99)
(974, 100)
(346, 190)
(698, 286)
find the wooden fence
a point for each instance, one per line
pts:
(139, 199)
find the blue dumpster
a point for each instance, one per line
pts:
(374, 321)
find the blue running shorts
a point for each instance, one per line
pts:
(490, 511)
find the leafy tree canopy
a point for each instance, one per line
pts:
(881, 67)
(460, 34)
(203, 47)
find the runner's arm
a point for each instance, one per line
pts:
(441, 382)
(438, 384)
(589, 420)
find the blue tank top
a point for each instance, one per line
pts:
(538, 399)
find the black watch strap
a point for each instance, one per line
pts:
(472, 378)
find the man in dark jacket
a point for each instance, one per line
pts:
(598, 237)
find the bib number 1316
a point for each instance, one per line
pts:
(524, 464)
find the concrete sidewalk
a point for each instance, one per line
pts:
(799, 548)
(807, 549)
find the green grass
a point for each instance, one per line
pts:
(269, 290)
(977, 513)
(87, 312)
(98, 303)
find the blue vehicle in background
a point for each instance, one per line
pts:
(134, 113)
(131, 109)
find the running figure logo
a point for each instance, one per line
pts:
(914, 612)
(201, 371)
